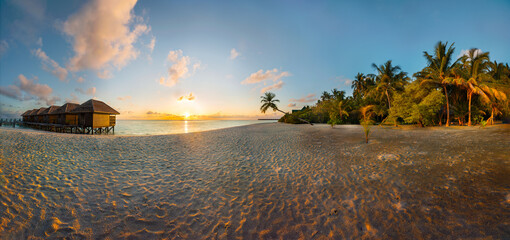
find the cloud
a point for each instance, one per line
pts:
(261, 76)
(73, 99)
(103, 34)
(291, 105)
(39, 42)
(27, 89)
(307, 99)
(80, 80)
(124, 98)
(464, 52)
(91, 91)
(274, 86)
(3, 47)
(179, 68)
(105, 74)
(234, 54)
(151, 112)
(190, 97)
(152, 44)
(50, 65)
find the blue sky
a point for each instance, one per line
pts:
(141, 57)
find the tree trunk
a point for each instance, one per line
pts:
(447, 107)
(469, 115)
(388, 97)
(297, 118)
(492, 117)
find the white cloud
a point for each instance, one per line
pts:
(152, 44)
(39, 42)
(104, 74)
(50, 65)
(234, 54)
(27, 89)
(91, 91)
(104, 35)
(73, 99)
(269, 75)
(190, 97)
(261, 76)
(179, 68)
(124, 98)
(464, 52)
(3, 47)
(306, 99)
(274, 86)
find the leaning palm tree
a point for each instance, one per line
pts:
(439, 69)
(269, 101)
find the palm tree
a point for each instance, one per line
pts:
(495, 99)
(389, 79)
(439, 68)
(474, 62)
(269, 101)
(366, 122)
(358, 85)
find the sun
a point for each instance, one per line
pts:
(186, 115)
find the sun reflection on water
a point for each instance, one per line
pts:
(185, 126)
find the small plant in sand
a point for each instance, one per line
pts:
(366, 121)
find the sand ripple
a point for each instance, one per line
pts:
(267, 181)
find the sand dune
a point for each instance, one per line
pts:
(268, 181)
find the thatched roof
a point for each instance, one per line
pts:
(26, 113)
(94, 106)
(32, 112)
(39, 111)
(50, 110)
(66, 108)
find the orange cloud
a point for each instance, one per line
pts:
(274, 86)
(179, 69)
(190, 97)
(102, 35)
(47, 62)
(261, 76)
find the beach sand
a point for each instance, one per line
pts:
(267, 181)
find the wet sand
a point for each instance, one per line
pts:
(267, 181)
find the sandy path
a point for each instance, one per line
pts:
(260, 181)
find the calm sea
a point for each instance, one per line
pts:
(159, 127)
(156, 127)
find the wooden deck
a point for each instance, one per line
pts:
(61, 128)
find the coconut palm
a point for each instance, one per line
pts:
(389, 79)
(268, 101)
(473, 64)
(439, 69)
(496, 100)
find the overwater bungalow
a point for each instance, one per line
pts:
(64, 115)
(25, 115)
(95, 115)
(49, 116)
(30, 117)
(92, 116)
(38, 117)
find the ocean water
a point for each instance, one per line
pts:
(159, 127)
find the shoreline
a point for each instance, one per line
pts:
(283, 181)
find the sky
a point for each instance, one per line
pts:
(214, 59)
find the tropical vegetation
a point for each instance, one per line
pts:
(469, 90)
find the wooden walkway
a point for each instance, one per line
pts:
(61, 128)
